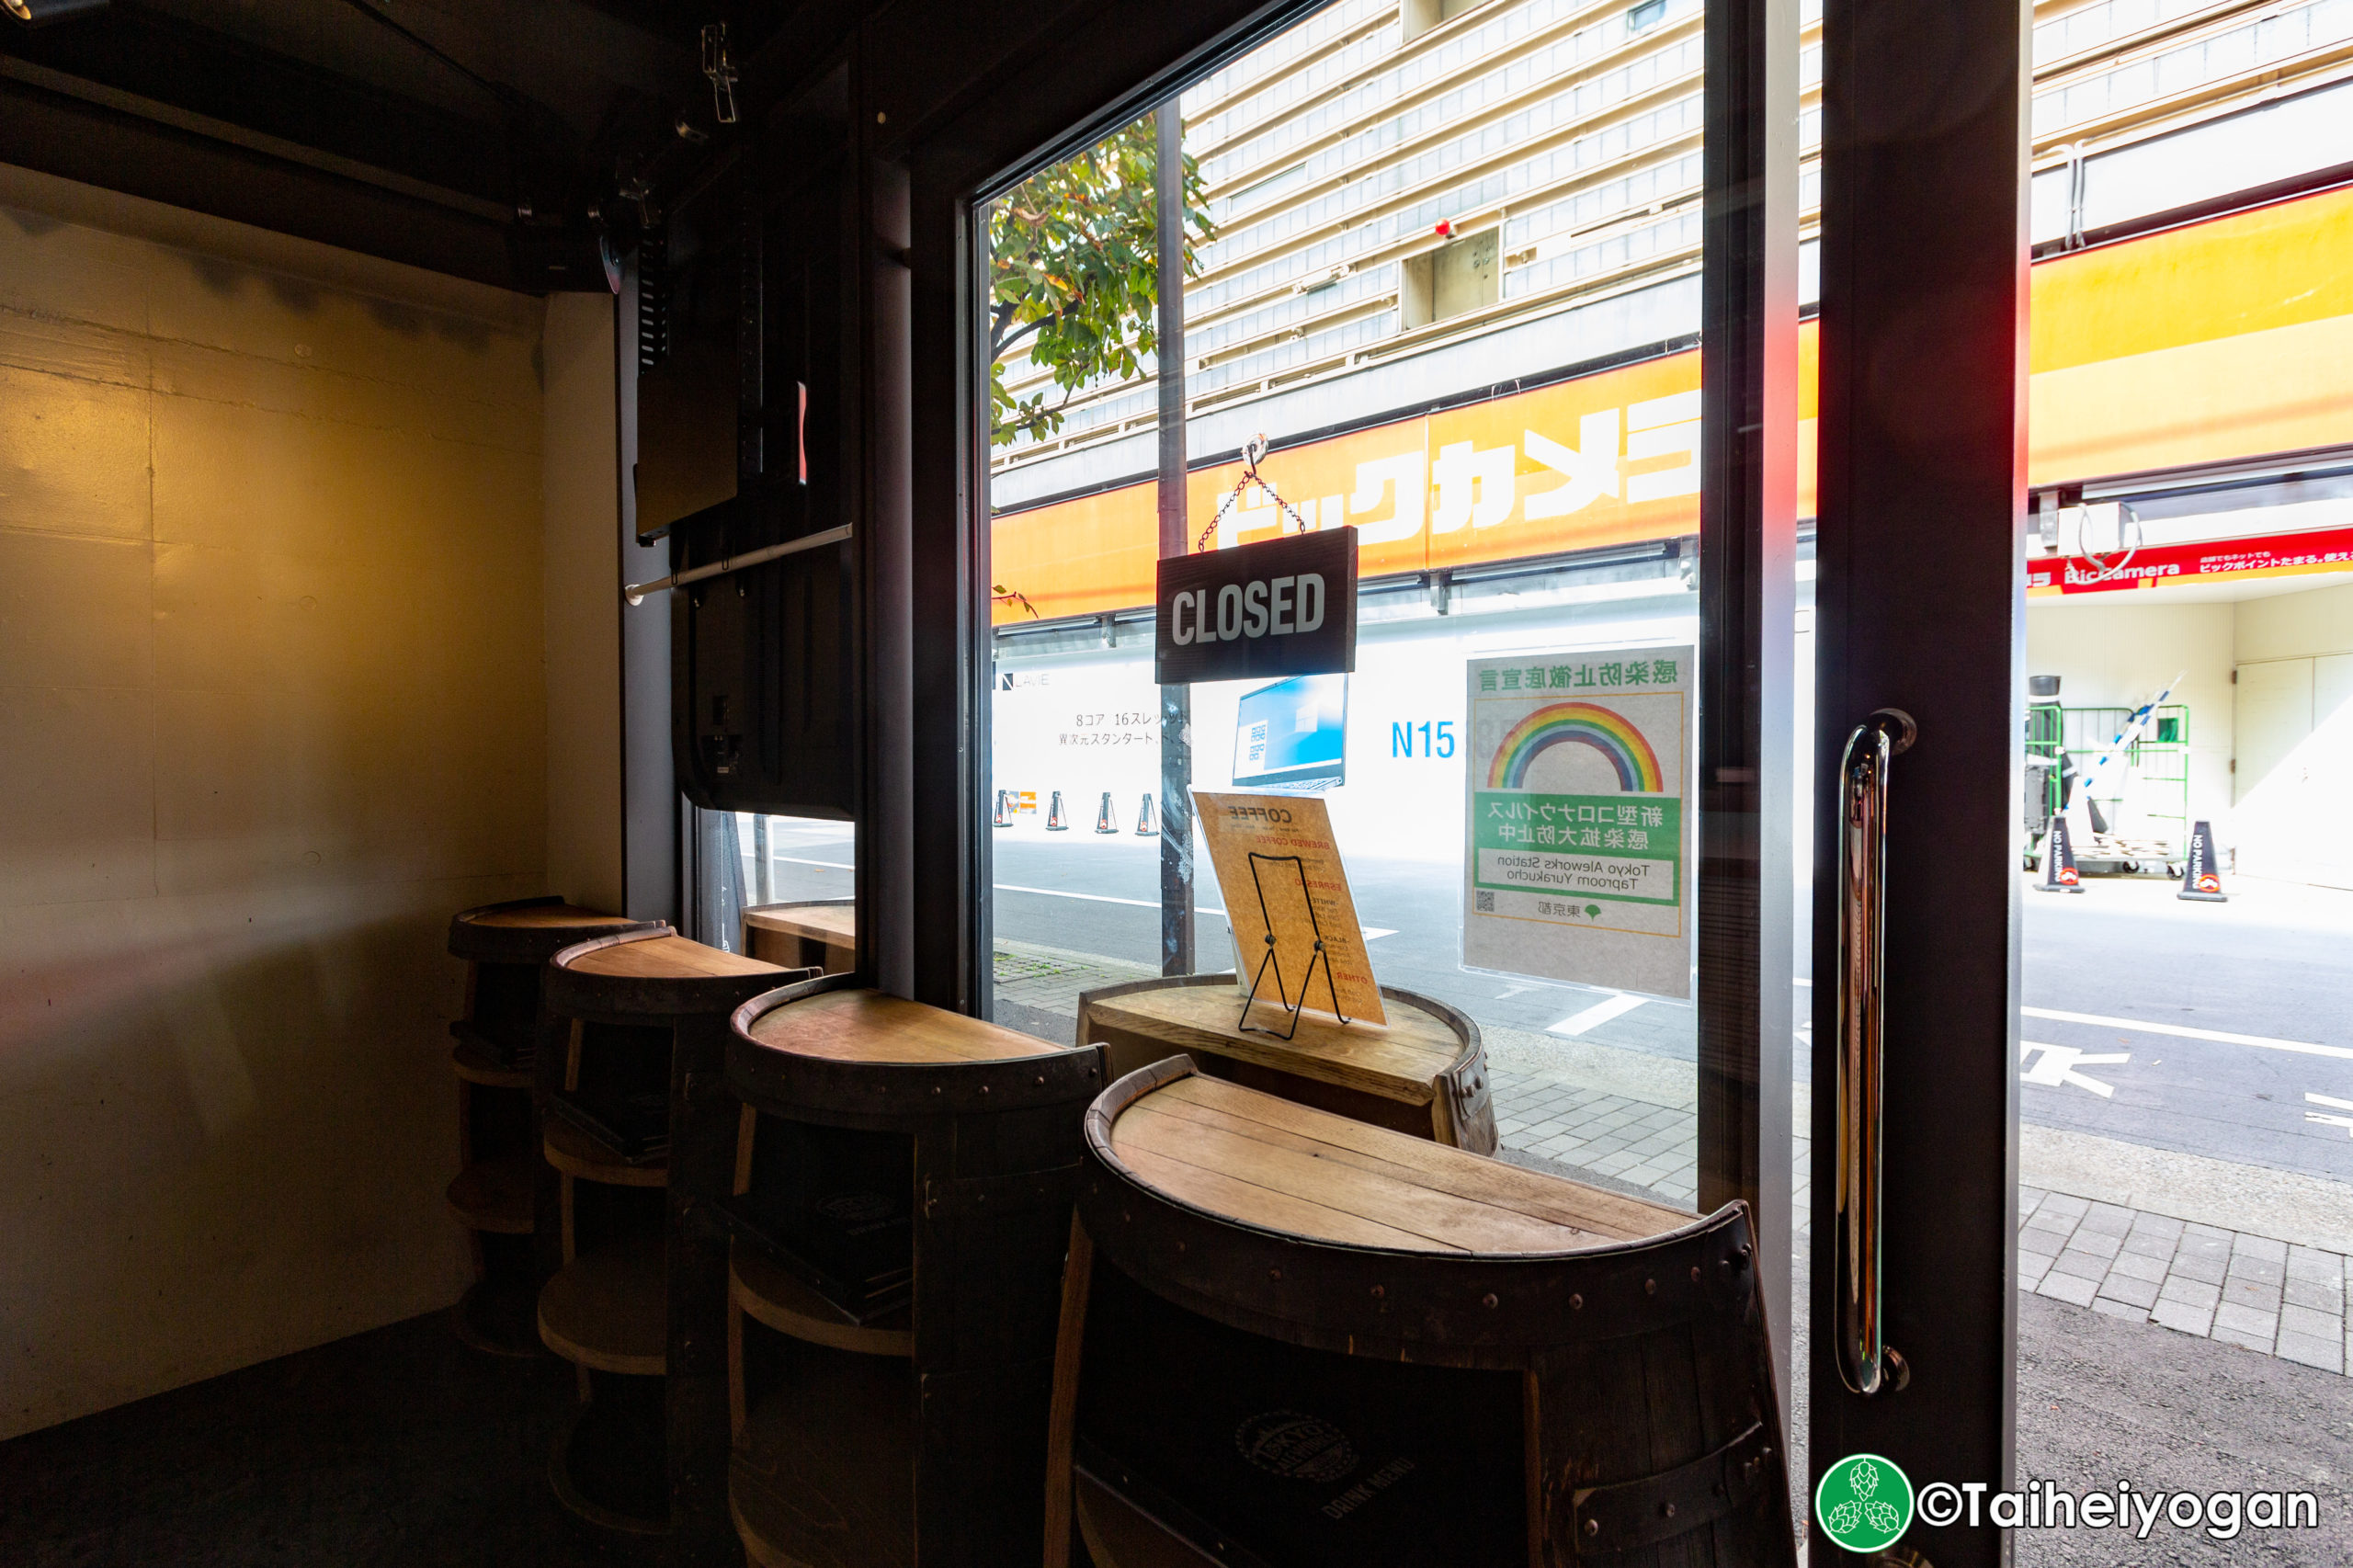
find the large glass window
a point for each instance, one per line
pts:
(1444, 262)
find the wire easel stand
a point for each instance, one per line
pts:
(1253, 451)
(1320, 956)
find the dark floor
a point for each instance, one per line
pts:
(404, 1449)
(396, 1448)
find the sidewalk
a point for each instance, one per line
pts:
(2203, 1247)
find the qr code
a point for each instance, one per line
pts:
(1487, 903)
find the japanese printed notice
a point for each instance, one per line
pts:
(1278, 868)
(1575, 864)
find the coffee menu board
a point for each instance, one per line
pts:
(1305, 892)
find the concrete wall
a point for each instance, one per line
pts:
(2295, 821)
(583, 545)
(2119, 654)
(271, 708)
(2295, 626)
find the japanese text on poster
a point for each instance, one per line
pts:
(1577, 842)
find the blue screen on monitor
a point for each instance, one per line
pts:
(1292, 732)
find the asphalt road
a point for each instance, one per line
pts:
(2124, 960)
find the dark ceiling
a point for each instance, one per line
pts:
(475, 136)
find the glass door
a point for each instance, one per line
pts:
(2078, 1204)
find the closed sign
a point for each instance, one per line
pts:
(1282, 607)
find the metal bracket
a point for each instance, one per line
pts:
(1626, 1516)
(722, 72)
(635, 592)
(967, 1197)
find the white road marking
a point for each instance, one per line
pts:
(1107, 898)
(1372, 933)
(2328, 1120)
(2305, 1048)
(2058, 1063)
(1599, 1013)
(829, 865)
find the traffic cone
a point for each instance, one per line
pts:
(1055, 820)
(2202, 873)
(1004, 817)
(1147, 825)
(1103, 822)
(2059, 873)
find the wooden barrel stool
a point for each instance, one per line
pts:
(900, 1211)
(1290, 1337)
(636, 1107)
(1425, 1072)
(819, 932)
(504, 947)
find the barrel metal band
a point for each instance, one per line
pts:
(1012, 1194)
(1627, 1514)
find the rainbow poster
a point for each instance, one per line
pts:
(1576, 848)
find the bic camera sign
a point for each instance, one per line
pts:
(1640, 452)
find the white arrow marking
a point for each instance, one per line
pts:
(2057, 1067)
(2303, 1048)
(2325, 1121)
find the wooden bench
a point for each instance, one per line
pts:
(900, 1206)
(497, 1039)
(633, 1112)
(1290, 1337)
(1425, 1072)
(820, 933)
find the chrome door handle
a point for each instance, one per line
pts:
(1865, 1359)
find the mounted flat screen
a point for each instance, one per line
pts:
(1292, 735)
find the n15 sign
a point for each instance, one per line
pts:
(1281, 606)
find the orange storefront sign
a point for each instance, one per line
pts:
(2224, 339)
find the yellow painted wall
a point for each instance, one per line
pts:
(271, 708)
(583, 607)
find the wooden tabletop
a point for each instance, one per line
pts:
(867, 1025)
(1282, 1166)
(1400, 1059)
(537, 916)
(667, 958)
(835, 923)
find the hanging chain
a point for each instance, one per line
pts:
(1253, 451)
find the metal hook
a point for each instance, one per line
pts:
(722, 72)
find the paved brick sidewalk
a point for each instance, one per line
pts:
(2267, 1295)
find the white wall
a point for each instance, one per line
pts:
(2291, 820)
(2119, 654)
(271, 709)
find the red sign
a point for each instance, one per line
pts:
(2209, 561)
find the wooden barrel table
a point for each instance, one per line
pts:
(635, 1111)
(498, 1038)
(900, 1211)
(1424, 1072)
(1290, 1337)
(819, 932)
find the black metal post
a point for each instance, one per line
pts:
(1747, 584)
(1920, 605)
(1176, 701)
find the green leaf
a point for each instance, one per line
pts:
(1074, 260)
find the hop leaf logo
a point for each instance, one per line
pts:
(1864, 1502)
(1862, 1478)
